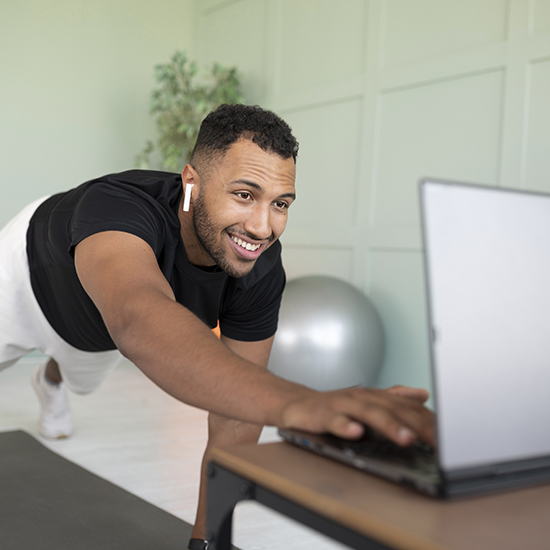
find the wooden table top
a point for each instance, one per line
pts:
(390, 514)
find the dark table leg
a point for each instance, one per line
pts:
(225, 490)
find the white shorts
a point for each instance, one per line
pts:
(23, 326)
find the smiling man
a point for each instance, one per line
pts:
(241, 209)
(146, 263)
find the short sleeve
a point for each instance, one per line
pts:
(104, 207)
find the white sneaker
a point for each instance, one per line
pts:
(55, 413)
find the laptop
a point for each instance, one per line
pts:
(487, 266)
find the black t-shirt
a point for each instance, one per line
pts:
(144, 203)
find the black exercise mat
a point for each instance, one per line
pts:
(50, 503)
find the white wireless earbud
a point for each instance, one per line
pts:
(187, 199)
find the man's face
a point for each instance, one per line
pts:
(242, 208)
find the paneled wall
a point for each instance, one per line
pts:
(381, 93)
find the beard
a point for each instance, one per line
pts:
(207, 235)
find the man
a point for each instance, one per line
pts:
(146, 263)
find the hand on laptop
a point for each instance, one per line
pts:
(397, 413)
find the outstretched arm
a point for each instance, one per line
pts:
(179, 353)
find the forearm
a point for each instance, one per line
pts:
(185, 359)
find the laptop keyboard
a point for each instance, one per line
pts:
(420, 455)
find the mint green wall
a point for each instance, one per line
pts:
(381, 93)
(75, 79)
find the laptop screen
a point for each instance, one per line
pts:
(487, 254)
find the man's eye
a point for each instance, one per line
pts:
(281, 204)
(244, 195)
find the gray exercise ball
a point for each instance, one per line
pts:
(329, 336)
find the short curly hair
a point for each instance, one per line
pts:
(230, 123)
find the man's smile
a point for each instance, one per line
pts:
(244, 244)
(245, 248)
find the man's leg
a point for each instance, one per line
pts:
(81, 372)
(23, 328)
(21, 320)
(52, 373)
(17, 335)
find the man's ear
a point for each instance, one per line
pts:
(190, 180)
(190, 176)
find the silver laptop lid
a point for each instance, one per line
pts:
(487, 256)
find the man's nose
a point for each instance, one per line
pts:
(258, 223)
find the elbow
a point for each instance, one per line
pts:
(134, 327)
(120, 335)
(122, 327)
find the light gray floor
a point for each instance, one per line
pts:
(136, 436)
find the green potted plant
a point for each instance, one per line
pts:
(179, 104)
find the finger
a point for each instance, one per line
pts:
(389, 413)
(322, 419)
(418, 394)
(345, 427)
(417, 418)
(373, 408)
(384, 422)
(348, 427)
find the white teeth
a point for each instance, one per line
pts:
(245, 245)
